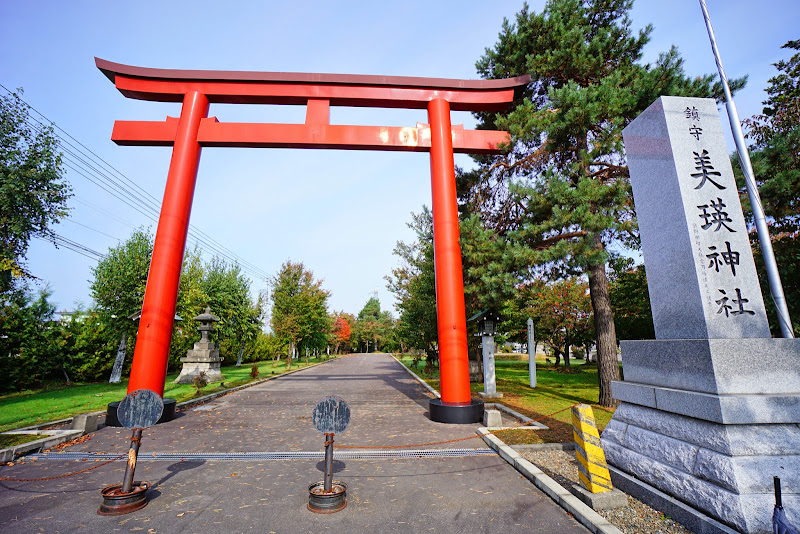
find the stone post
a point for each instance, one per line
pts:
(119, 361)
(531, 354)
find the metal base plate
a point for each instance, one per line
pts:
(115, 502)
(320, 502)
(459, 414)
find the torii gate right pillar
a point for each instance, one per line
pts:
(456, 405)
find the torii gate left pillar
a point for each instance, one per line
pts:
(194, 129)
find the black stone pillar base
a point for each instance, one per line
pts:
(459, 414)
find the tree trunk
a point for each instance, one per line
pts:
(566, 348)
(290, 356)
(607, 366)
(557, 354)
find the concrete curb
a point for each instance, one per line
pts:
(50, 438)
(56, 437)
(516, 415)
(585, 515)
(533, 447)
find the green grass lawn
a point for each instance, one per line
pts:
(557, 388)
(11, 440)
(27, 408)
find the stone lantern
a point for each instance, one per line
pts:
(204, 356)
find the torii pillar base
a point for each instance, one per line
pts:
(459, 414)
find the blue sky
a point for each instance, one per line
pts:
(340, 212)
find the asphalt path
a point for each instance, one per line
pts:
(443, 495)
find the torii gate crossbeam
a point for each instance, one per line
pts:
(194, 129)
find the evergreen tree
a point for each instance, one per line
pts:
(562, 195)
(414, 286)
(33, 191)
(775, 154)
(776, 145)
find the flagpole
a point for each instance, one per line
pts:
(776, 288)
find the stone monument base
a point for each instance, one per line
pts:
(192, 369)
(710, 422)
(725, 470)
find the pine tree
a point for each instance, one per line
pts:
(561, 195)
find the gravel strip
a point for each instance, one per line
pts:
(637, 518)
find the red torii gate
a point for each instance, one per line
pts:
(195, 129)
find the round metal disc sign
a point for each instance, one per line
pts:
(140, 409)
(331, 415)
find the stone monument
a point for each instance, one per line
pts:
(710, 409)
(204, 356)
(119, 361)
(531, 354)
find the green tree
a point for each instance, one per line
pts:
(192, 300)
(562, 195)
(630, 300)
(29, 339)
(414, 287)
(120, 280)
(299, 309)
(775, 151)
(775, 154)
(33, 191)
(88, 346)
(227, 292)
(370, 327)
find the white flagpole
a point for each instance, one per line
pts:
(776, 288)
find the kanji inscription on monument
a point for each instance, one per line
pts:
(702, 277)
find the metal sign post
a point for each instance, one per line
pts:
(139, 410)
(331, 416)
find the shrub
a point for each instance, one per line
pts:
(199, 382)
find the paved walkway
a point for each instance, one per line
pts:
(442, 495)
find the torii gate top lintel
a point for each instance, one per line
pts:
(356, 90)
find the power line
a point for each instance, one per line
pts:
(73, 221)
(61, 241)
(85, 162)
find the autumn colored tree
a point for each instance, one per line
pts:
(561, 312)
(341, 331)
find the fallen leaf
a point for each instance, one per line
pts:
(181, 514)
